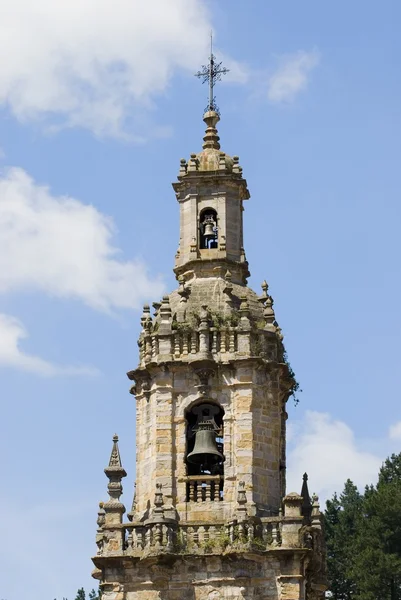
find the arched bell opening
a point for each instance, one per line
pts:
(208, 229)
(205, 452)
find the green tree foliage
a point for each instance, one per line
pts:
(341, 525)
(364, 538)
(80, 594)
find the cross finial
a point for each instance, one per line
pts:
(211, 73)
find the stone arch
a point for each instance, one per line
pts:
(208, 229)
(204, 420)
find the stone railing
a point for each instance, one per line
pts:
(205, 488)
(196, 537)
(152, 536)
(186, 344)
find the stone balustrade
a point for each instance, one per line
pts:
(186, 345)
(197, 537)
(204, 488)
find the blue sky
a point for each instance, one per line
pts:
(98, 104)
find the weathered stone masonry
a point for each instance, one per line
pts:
(224, 527)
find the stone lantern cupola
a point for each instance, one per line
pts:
(211, 191)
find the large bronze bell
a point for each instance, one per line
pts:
(205, 450)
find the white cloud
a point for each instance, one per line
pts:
(395, 431)
(291, 76)
(327, 449)
(12, 332)
(63, 247)
(92, 63)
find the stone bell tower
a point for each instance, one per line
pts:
(210, 517)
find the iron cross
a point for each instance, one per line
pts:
(211, 73)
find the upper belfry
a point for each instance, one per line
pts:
(211, 191)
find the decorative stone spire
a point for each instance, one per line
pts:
(132, 512)
(115, 472)
(306, 503)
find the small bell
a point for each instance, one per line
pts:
(209, 227)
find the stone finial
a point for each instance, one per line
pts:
(156, 307)
(268, 312)
(115, 459)
(183, 289)
(244, 313)
(236, 167)
(306, 503)
(146, 318)
(222, 161)
(115, 473)
(165, 316)
(158, 502)
(101, 520)
(204, 316)
(132, 512)
(228, 287)
(264, 285)
(158, 511)
(316, 516)
(211, 139)
(241, 494)
(101, 515)
(183, 167)
(192, 163)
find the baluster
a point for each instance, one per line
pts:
(214, 340)
(185, 344)
(251, 533)
(232, 340)
(158, 535)
(212, 490)
(195, 536)
(177, 351)
(201, 534)
(148, 348)
(194, 491)
(231, 532)
(208, 490)
(130, 539)
(148, 537)
(264, 533)
(274, 534)
(223, 340)
(193, 342)
(141, 350)
(169, 537)
(154, 349)
(190, 536)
